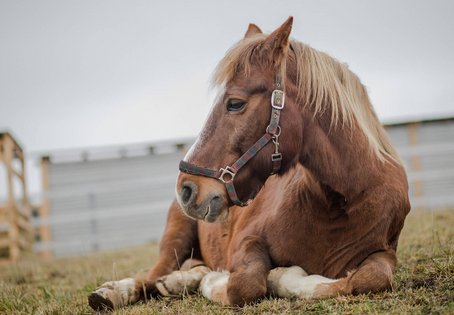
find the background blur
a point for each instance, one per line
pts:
(108, 94)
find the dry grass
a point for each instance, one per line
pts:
(424, 282)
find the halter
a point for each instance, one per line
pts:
(272, 133)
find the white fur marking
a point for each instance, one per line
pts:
(181, 282)
(191, 150)
(294, 282)
(212, 280)
(120, 293)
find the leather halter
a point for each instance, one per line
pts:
(272, 133)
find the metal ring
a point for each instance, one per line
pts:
(227, 171)
(277, 133)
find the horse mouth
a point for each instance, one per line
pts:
(216, 206)
(210, 210)
(207, 212)
(211, 215)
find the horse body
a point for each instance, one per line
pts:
(336, 207)
(289, 230)
(299, 225)
(339, 202)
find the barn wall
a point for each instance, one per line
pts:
(107, 204)
(117, 202)
(427, 150)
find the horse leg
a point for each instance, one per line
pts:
(373, 275)
(184, 281)
(179, 239)
(246, 282)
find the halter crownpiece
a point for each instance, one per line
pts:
(272, 133)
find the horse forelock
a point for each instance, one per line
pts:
(323, 84)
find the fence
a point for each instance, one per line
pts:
(427, 150)
(15, 228)
(103, 203)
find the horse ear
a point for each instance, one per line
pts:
(252, 30)
(278, 40)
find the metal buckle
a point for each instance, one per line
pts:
(227, 171)
(278, 99)
(276, 157)
(276, 134)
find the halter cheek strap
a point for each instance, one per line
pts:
(272, 133)
(227, 174)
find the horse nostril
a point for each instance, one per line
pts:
(186, 193)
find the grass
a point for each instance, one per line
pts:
(424, 282)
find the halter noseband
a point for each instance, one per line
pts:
(272, 133)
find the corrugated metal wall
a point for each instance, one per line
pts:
(122, 201)
(427, 149)
(107, 204)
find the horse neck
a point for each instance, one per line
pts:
(338, 156)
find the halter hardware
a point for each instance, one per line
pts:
(278, 99)
(227, 171)
(272, 132)
(276, 156)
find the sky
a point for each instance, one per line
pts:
(77, 74)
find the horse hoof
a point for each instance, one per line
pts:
(179, 283)
(99, 303)
(114, 294)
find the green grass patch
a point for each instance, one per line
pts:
(424, 282)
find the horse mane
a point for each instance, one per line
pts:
(323, 83)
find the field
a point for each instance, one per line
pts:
(424, 283)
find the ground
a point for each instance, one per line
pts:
(424, 282)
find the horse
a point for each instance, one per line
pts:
(292, 188)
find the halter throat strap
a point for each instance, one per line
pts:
(273, 130)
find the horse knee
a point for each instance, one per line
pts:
(371, 279)
(245, 289)
(375, 274)
(232, 289)
(181, 282)
(191, 263)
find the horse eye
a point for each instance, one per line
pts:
(235, 105)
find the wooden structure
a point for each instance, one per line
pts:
(15, 228)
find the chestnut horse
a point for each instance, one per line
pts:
(326, 224)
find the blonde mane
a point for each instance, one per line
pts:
(323, 83)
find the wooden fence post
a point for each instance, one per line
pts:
(15, 218)
(44, 215)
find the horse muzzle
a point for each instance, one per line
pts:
(198, 204)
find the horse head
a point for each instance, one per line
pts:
(253, 131)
